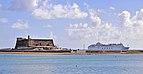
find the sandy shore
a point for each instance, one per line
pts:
(70, 53)
(32, 53)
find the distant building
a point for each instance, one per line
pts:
(108, 47)
(23, 43)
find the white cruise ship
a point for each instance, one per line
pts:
(107, 47)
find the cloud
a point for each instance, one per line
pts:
(43, 9)
(86, 5)
(1, 7)
(77, 31)
(86, 32)
(132, 25)
(129, 31)
(125, 18)
(23, 5)
(109, 11)
(132, 21)
(47, 26)
(112, 8)
(94, 17)
(3, 20)
(20, 25)
(46, 10)
(98, 30)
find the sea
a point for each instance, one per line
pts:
(71, 64)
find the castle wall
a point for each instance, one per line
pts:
(34, 43)
(21, 43)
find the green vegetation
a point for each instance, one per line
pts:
(134, 51)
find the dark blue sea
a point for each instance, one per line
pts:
(71, 64)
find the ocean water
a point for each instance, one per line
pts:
(71, 64)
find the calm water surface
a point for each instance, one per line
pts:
(71, 64)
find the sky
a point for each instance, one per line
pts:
(72, 23)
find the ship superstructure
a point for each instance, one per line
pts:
(107, 47)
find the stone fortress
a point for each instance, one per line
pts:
(36, 44)
(47, 45)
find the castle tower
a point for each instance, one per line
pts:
(28, 36)
(29, 40)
